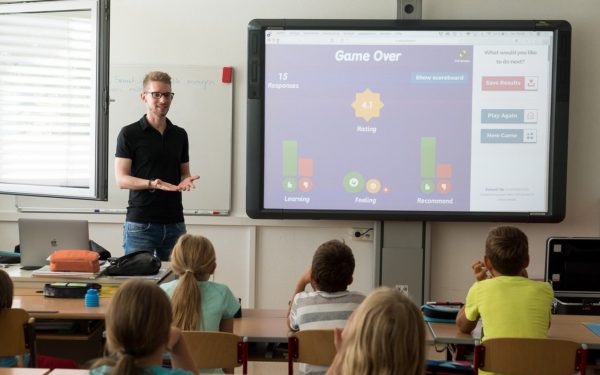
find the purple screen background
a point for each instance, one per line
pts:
(320, 117)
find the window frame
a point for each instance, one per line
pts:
(99, 95)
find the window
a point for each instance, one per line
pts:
(54, 98)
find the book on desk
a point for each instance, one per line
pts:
(45, 271)
(36, 279)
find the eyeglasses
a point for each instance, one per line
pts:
(158, 95)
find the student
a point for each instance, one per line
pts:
(330, 304)
(139, 331)
(6, 300)
(508, 303)
(199, 304)
(384, 336)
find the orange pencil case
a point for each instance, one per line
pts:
(74, 261)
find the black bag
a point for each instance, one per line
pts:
(68, 290)
(140, 263)
(104, 254)
(8, 257)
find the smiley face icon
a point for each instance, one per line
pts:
(354, 182)
(373, 186)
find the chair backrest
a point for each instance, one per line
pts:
(217, 349)
(18, 334)
(312, 346)
(530, 356)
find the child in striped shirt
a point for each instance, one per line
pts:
(330, 304)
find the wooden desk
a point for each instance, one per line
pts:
(262, 325)
(23, 371)
(259, 325)
(41, 307)
(567, 327)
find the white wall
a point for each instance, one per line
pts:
(456, 244)
(261, 260)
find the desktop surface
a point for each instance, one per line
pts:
(567, 327)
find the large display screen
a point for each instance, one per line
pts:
(413, 120)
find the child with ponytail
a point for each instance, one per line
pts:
(198, 303)
(139, 331)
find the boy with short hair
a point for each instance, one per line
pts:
(330, 304)
(509, 304)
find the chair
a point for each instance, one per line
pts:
(18, 335)
(312, 346)
(217, 349)
(530, 356)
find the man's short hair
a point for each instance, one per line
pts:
(507, 248)
(332, 266)
(156, 76)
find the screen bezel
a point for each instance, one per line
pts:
(558, 118)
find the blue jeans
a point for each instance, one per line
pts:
(156, 238)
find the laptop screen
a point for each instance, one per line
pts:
(41, 237)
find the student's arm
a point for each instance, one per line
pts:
(180, 355)
(125, 180)
(301, 284)
(187, 180)
(464, 325)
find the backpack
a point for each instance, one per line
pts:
(140, 263)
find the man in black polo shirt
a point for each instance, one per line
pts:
(152, 161)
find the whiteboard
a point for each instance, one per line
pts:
(203, 106)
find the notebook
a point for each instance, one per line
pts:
(41, 237)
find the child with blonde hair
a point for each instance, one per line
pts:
(385, 336)
(199, 304)
(139, 331)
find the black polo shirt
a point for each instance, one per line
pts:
(154, 156)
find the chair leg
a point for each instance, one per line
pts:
(583, 361)
(478, 357)
(245, 364)
(292, 352)
(30, 334)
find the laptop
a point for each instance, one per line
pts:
(41, 237)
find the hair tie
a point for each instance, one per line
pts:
(125, 353)
(188, 270)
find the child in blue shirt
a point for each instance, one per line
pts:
(198, 303)
(139, 331)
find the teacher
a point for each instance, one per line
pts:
(152, 161)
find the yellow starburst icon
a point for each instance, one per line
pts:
(367, 104)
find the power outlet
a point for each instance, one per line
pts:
(403, 288)
(362, 234)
